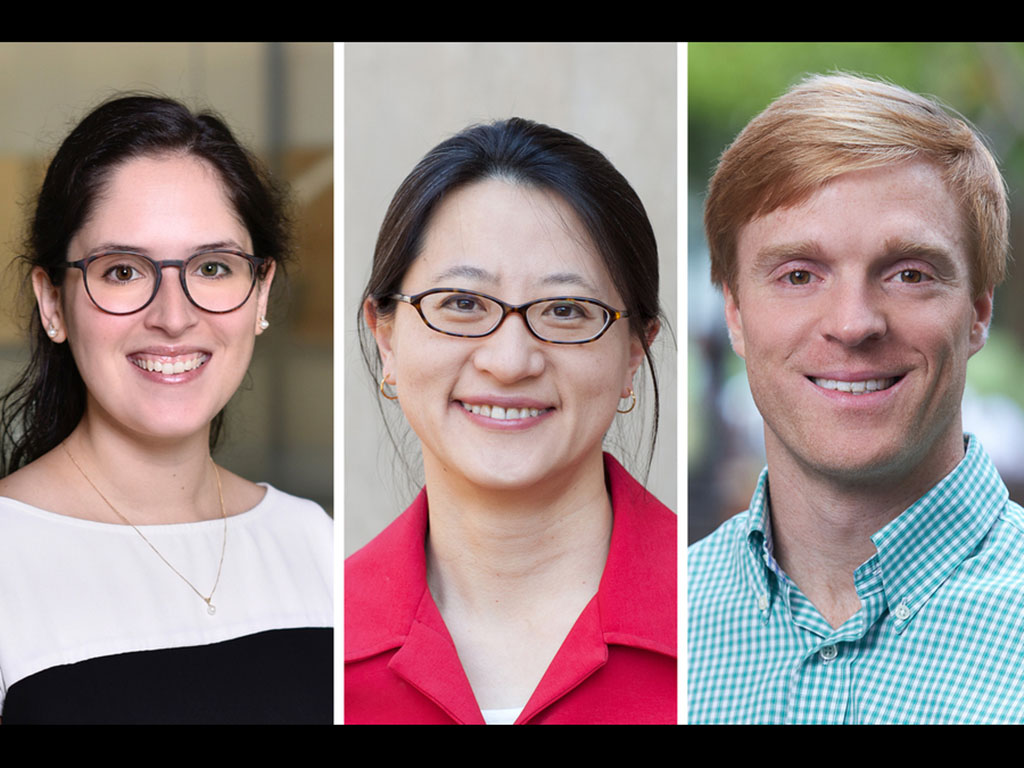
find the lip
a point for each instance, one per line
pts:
(194, 358)
(864, 385)
(531, 406)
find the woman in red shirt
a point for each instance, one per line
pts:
(513, 298)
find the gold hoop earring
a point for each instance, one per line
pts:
(632, 405)
(384, 381)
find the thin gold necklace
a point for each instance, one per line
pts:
(210, 607)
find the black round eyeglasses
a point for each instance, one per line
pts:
(121, 283)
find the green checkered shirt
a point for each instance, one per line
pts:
(939, 637)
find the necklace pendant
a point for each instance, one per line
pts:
(211, 608)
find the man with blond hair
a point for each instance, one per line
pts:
(857, 231)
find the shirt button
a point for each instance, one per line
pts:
(828, 653)
(762, 603)
(903, 611)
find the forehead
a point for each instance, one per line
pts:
(163, 202)
(508, 237)
(862, 215)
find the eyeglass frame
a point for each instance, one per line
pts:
(257, 263)
(508, 309)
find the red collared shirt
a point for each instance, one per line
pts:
(616, 665)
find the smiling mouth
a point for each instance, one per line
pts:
(503, 414)
(170, 365)
(856, 387)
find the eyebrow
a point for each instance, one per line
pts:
(464, 270)
(123, 248)
(939, 257)
(770, 256)
(568, 278)
(483, 275)
(894, 248)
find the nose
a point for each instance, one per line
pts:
(511, 353)
(854, 313)
(170, 310)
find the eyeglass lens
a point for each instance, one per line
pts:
(558, 320)
(125, 282)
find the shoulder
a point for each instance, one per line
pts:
(723, 539)
(406, 535)
(644, 529)
(43, 484)
(716, 556)
(631, 498)
(638, 587)
(295, 506)
(999, 560)
(384, 583)
(26, 530)
(1013, 515)
(294, 525)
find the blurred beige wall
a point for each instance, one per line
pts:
(403, 99)
(278, 98)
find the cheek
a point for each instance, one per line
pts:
(942, 341)
(776, 330)
(764, 339)
(238, 333)
(76, 311)
(600, 375)
(417, 348)
(93, 337)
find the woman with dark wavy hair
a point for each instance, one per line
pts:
(141, 582)
(513, 298)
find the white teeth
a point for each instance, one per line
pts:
(855, 387)
(503, 414)
(171, 367)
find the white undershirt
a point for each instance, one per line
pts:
(501, 716)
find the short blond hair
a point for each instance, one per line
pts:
(829, 125)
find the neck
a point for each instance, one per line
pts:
(492, 548)
(148, 482)
(822, 524)
(511, 570)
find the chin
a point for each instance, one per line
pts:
(501, 473)
(855, 458)
(174, 427)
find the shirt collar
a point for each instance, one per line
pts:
(918, 550)
(638, 582)
(757, 561)
(637, 595)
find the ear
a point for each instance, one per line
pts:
(982, 319)
(734, 320)
(263, 294)
(637, 356)
(51, 310)
(381, 328)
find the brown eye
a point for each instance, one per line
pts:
(799, 277)
(911, 276)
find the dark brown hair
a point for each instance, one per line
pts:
(48, 400)
(535, 155)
